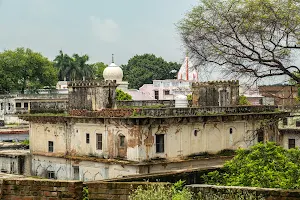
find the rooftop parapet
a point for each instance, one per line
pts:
(216, 93)
(92, 95)
(174, 112)
(73, 84)
(216, 83)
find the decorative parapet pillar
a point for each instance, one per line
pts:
(92, 95)
(216, 93)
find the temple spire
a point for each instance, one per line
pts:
(112, 58)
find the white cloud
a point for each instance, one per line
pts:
(106, 30)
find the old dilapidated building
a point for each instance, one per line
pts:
(95, 140)
(216, 93)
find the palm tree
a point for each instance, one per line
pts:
(63, 63)
(73, 68)
(81, 70)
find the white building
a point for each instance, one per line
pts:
(168, 89)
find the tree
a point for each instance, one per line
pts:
(243, 100)
(99, 68)
(23, 69)
(122, 96)
(62, 62)
(142, 69)
(264, 165)
(243, 37)
(73, 68)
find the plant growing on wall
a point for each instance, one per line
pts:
(162, 192)
(85, 193)
(243, 100)
(25, 142)
(122, 96)
(264, 165)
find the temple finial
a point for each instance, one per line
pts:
(112, 58)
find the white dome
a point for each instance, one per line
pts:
(113, 72)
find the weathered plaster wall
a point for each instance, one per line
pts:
(9, 164)
(290, 130)
(291, 135)
(180, 139)
(13, 119)
(215, 93)
(7, 105)
(186, 139)
(15, 164)
(92, 95)
(88, 170)
(111, 134)
(40, 134)
(49, 106)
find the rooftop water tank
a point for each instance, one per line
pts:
(181, 101)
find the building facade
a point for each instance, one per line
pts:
(284, 95)
(96, 141)
(289, 129)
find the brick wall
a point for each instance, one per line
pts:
(39, 189)
(267, 193)
(45, 189)
(113, 190)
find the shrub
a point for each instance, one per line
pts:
(265, 165)
(162, 192)
(122, 96)
(243, 101)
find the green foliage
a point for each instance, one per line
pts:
(73, 68)
(85, 193)
(189, 97)
(25, 142)
(22, 69)
(142, 69)
(162, 192)
(244, 37)
(99, 68)
(243, 100)
(264, 165)
(122, 96)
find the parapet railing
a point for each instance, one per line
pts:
(206, 110)
(168, 112)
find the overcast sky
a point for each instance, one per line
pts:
(94, 27)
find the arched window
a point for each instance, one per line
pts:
(195, 132)
(122, 140)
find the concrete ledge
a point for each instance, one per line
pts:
(268, 193)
